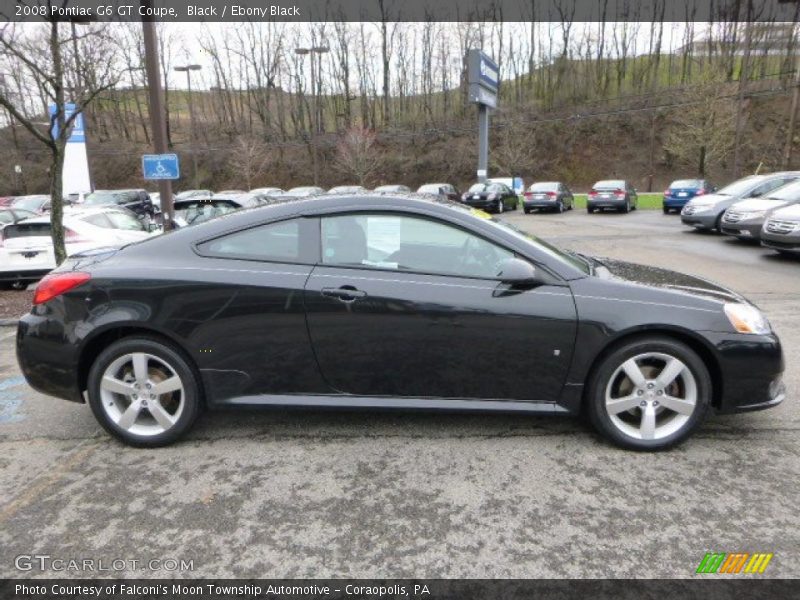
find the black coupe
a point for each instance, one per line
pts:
(390, 302)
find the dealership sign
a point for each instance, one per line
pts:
(483, 76)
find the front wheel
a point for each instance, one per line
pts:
(143, 391)
(649, 394)
(500, 207)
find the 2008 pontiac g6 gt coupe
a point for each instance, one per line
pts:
(390, 302)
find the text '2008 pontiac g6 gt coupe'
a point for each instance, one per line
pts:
(390, 302)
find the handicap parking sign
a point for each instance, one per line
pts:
(161, 166)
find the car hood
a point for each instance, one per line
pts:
(790, 213)
(663, 279)
(758, 204)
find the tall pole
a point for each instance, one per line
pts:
(744, 75)
(190, 102)
(156, 99)
(483, 142)
(314, 121)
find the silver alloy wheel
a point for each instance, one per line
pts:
(651, 396)
(142, 394)
(500, 205)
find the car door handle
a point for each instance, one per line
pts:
(346, 293)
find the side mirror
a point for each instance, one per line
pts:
(517, 272)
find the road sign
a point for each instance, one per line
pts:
(161, 166)
(480, 95)
(483, 71)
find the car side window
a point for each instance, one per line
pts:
(6, 217)
(121, 220)
(277, 242)
(409, 244)
(98, 220)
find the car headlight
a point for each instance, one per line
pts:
(753, 214)
(746, 318)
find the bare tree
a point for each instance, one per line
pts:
(357, 154)
(36, 58)
(248, 160)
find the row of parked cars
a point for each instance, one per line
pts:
(757, 208)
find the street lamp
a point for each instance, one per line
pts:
(315, 125)
(188, 69)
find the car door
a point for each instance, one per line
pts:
(405, 305)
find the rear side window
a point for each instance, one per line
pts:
(98, 220)
(275, 242)
(121, 220)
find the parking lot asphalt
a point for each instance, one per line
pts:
(346, 494)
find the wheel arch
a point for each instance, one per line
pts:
(697, 343)
(100, 339)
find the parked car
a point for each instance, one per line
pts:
(9, 216)
(189, 194)
(681, 191)
(705, 212)
(26, 248)
(6, 200)
(137, 201)
(394, 189)
(618, 194)
(199, 210)
(496, 197)
(781, 230)
(548, 195)
(446, 190)
(347, 189)
(745, 219)
(76, 197)
(230, 193)
(303, 191)
(38, 203)
(268, 191)
(308, 304)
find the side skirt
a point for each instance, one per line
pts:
(355, 402)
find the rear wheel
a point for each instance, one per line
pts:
(649, 394)
(560, 207)
(589, 210)
(143, 391)
(666, 210)
(527, 211)
(627, 208)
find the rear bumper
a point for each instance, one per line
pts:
(551, 204)
(607, 203)
(23, 275)
(749, 230)
(674, 203)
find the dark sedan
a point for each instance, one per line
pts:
(613, 193)
(548, 195)
(198, 210)
(493, 196)
(390, 302)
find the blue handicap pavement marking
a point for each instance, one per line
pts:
(11, 397)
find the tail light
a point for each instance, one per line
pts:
(551, 194)
(666, 192)
(528, 194)
(619, 193)
(593, 192)
(73, 237)
(56, 284)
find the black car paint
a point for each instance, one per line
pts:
(481, 199)
(262, 334)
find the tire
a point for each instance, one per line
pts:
(527, 211)
(560, 207)
(178, 408)
(665, 209)
(659, 427)
(589, 210)
(627, 207)
(500, 206)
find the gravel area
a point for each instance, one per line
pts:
(14, 303)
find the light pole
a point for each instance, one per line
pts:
(319, 50)
(188, 69)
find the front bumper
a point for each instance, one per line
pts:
(750, 369)
(744, 230)
(700, 220)
(789, 242)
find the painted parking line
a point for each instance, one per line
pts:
(11, 399)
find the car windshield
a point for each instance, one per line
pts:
(611, 184)
(102, 198)
(787, 193)
(192, 213)
(741, 186)
(29, 202)
(686, 183)
(545, 186)
(478, 187)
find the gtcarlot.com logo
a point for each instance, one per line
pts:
(734, 563)
(46, 562)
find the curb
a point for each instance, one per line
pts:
(9, 322)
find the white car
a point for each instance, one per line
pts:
(26, 248)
